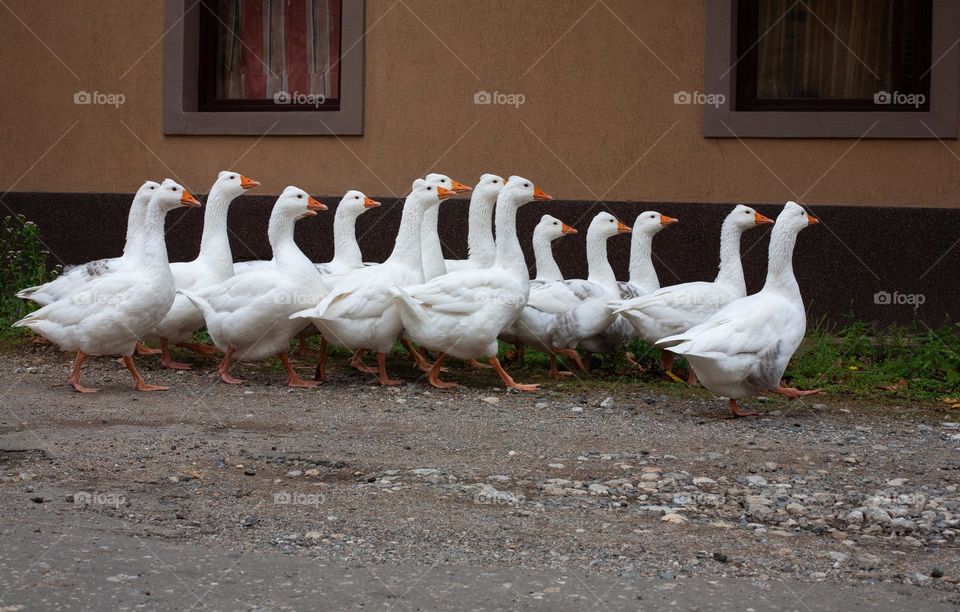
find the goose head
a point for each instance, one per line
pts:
(428, 195)
(233, 183)
(171, 194)
(520, 191)
(146, 191)
(794, 218)
(650, 222)
(489, 186)
(550, 228)
(296, 203)
(605, 225)
(446, 182)
(745, 217)
(354, 203)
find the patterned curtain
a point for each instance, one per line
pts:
(825, 48)
(269, 46)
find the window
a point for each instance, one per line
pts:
(822, 68)
(264, 66)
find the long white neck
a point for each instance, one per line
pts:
(431, 252)
(598, 266)
(134, 243)
(153, 257)
(287, 255)
(346, 251)
(481, 246)
(547, 268)
(509, 253)
(406, 250)
(215, 243)
(780, 265)
(642, 272)
(731, 269)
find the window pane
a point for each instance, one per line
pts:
(825, 50)
(268, 48)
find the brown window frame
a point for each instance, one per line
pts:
(724, 120)
(181, 95)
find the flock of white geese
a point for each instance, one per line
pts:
(737, 345)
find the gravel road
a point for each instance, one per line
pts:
(606, 492)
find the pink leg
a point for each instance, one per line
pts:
(74, 379)
(142, 349)
(138, 381)
(791, 393)
(434, 375)
(382, 371)
(321, 373)
(735, 410)
(422, 364)
(224, 368)
(165, 359)
(293, 379)
(508, 380)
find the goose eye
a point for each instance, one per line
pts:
(300, 196)
(429, 188)
(232, 177)
(356, 197)
(526, 184)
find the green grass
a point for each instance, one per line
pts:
(24, 264)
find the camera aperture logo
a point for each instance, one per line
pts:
(887, 98)
(499, 98)
(885, 298)
(98, 498)
(699, 99)
(98, 98)
(299, 99)
(297, 499)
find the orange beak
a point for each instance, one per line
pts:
(460, 187)
(623, 229)
(368, 203)
(187, 199)
(444, 193)
(314, 206)
(568, 230)
(248, 183)
(761, 220)
(812, 220)
(665, 220)
(538, 194)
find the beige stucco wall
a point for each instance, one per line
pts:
(598, 121)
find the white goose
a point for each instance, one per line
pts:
(75, 279)
(113, 311)
(534, 327)
(745, 347)
(358, 313)
(346, 250)
(213, 265)
(643, 276)
(431, 251)
(575, 313)
(675, 309)
(461, 313)
(481, 248)
(247, 315)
